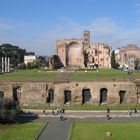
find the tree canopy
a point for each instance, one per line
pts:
(114, 64)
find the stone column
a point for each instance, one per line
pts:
(5, 64)
(8, 70)
(2, 64)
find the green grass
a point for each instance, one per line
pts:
(27, 131)
(31, 75)
(41, 75)
(82, 107)
(97, 131)
(104, 75)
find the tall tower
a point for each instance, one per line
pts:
(86, 39)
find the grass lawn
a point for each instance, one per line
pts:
(31, 75)
(82, 107)
(103, 74)
(97, 131)
(41, 75)
(26, 131)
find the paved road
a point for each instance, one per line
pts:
(85, 113)
(61, 130)
(57, 130)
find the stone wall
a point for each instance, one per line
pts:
(37, 93)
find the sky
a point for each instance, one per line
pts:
(35, 25)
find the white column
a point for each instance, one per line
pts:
(2, 64)
(8, 67)
(5, 64)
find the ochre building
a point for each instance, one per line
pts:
(127, 55)
(81, 53)
(70, 93)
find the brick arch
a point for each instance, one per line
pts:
(16, 93)
(50, 97)
(86, 95)
(103, 95)
(122, 96)
(67, 96)
(1, 94)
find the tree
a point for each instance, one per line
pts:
(15, 53)
(8, 110)
(114, 64)
(137, 64)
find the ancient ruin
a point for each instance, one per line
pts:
(73, 92)
(81, 53)
(127, 55)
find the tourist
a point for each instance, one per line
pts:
(135, 110)
(53, 112)
(108, 116)
(61, 117)
(63, 110)
(58, 111)
(44, 111)
(108, 113)
(108, 110)
(130, 112)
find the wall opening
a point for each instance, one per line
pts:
(103, 96)
(122, 94)
(67, 96)
(1, 94)
(16, 94)
(50, 97)
(86, 95)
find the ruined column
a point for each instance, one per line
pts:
(8, 67)
(2, 64)
(5, 64)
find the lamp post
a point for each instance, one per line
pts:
(129, 92)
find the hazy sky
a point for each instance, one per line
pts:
(36, 24)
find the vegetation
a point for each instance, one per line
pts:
(15, 53)
(114, 64)
(29, 75)
(26, 131)
(97, 131)
(137, 64)
(47, 75)
(8, 110)
(103, 75)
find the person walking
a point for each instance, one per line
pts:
(108, 113)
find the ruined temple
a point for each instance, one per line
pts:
(81, 53)
(127, 55)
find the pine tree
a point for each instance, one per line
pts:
(114, 64)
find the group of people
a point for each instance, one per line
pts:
(130, 111)
(60, 112)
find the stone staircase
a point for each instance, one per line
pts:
(65, 75)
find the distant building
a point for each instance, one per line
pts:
(81, 53)
(126, 56)
(29, 58)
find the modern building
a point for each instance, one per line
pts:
(29, 58)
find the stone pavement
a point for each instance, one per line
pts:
(85, 113)
(56, 130)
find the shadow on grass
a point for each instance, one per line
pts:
(26, 117)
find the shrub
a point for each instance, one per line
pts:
(8, 110)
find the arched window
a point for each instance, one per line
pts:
(1, 94)
(86, 95)
(103, 95)
(122, 94)
(16, 93)
(50, 97)
(67, 96)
